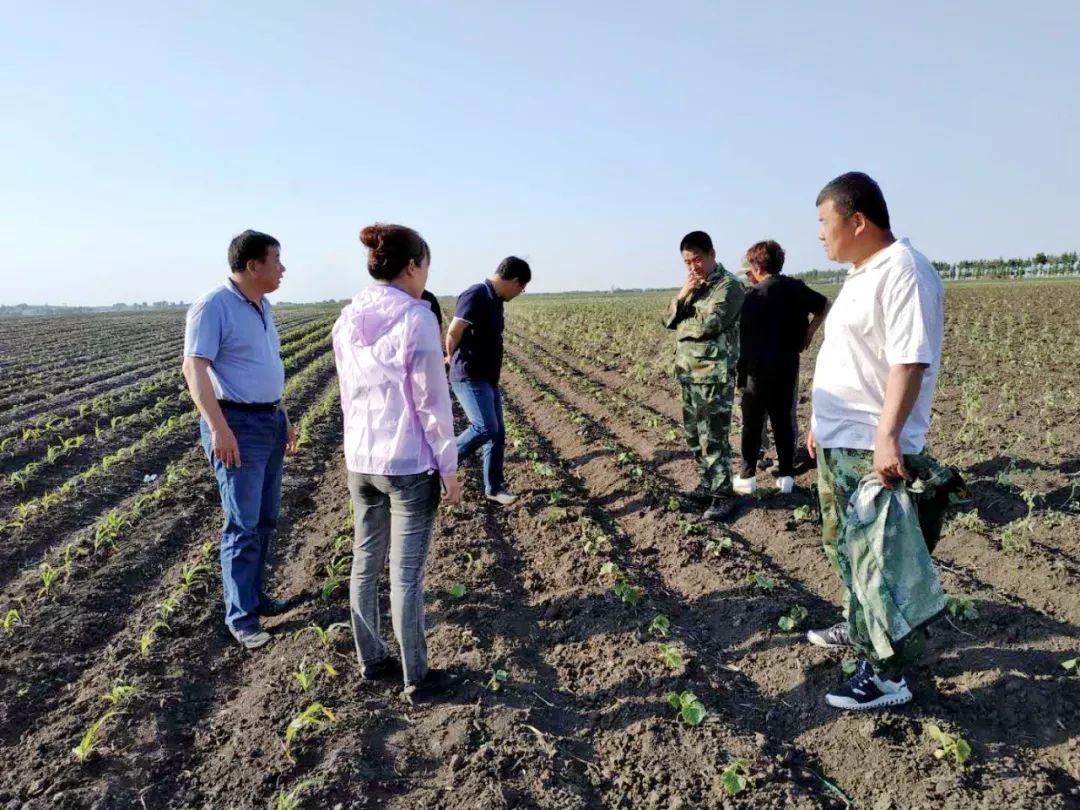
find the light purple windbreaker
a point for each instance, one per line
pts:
(394, 392)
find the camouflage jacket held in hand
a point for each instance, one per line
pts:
(706, 328)
(894, 587)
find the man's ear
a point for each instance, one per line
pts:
(859, 219)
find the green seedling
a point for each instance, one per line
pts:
(961, 608)
(305, 676)
(951, 744)
(660, 626)
(609, 569)
(716, 547)
(314, 717)
(692, 529)
(49, 575)
(802, 513)
(790, 621)
(1072, 665)
(323, 635)
(11, 618)
(193, 574)
(627, 592)
(761, 581)
(671, 656)
(554, 497)
(121, 694)
(735, 774)
(147, 638)
(457, 590)
(468, 639)
(848, 666)
(543, 470)
(673, 504)
(690, 709)
(168, 606)
(1014, 541)
(86, 747)
(497, 679)
(292, 800)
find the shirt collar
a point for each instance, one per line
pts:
(882, 257)
(240, 294)
(491, 289)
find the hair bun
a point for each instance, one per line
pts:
(372, 236)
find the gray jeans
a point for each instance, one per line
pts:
(395, 514)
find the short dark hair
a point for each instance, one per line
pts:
(766, 257)
(391, 248)
(697, 241)
(514, 269)
(857, 193)
(249, 246)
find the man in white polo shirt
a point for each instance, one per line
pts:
(873, 386)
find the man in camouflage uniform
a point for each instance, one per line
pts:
(873, 387)
(705, 317)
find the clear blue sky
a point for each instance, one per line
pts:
(137, 138)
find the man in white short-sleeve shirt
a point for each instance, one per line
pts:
(873, 386)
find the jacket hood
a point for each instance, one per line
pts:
(374, 311)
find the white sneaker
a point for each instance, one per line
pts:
(744, 486)
(503, 498)
(786, 483)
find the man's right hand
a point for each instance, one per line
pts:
(811, 445)
(693, 281)
(225, 447)
(451, 490)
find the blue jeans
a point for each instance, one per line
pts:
(392, 514)
(251, 498)
(482, 404)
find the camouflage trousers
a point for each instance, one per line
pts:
(707, 426)
(934, 489)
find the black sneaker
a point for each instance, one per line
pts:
(269, 606)
(866, 691)
(831, 638)
(720, 508)
(432, 685)
(387, 669)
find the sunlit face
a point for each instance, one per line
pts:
(269, 271)
(415, 276)
(838, 233)
(699, 264)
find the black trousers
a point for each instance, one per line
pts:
(769, 396)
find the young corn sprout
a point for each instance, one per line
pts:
(314, 717)
(86, 747)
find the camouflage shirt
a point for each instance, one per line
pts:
(707, 329)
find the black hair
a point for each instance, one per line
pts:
(249, 246)
(697, 241)
(391, 248)
(514, 269)
(857, 193)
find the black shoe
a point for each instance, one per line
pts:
(720, 508)
(832, 637)
(700, 493)
(866, 690)
(437, 682)
(387, 669)
(764, 463)
(269, 606)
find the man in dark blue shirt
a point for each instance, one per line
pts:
(474, 344)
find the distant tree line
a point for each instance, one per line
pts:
(1041, 265)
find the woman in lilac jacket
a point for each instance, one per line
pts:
(399, 447)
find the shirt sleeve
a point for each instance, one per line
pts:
(202, 330)
(812, 301)
(719, 312)
(470, 304)
(909, 310)
(430, 390)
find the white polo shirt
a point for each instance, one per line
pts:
(890, 311)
